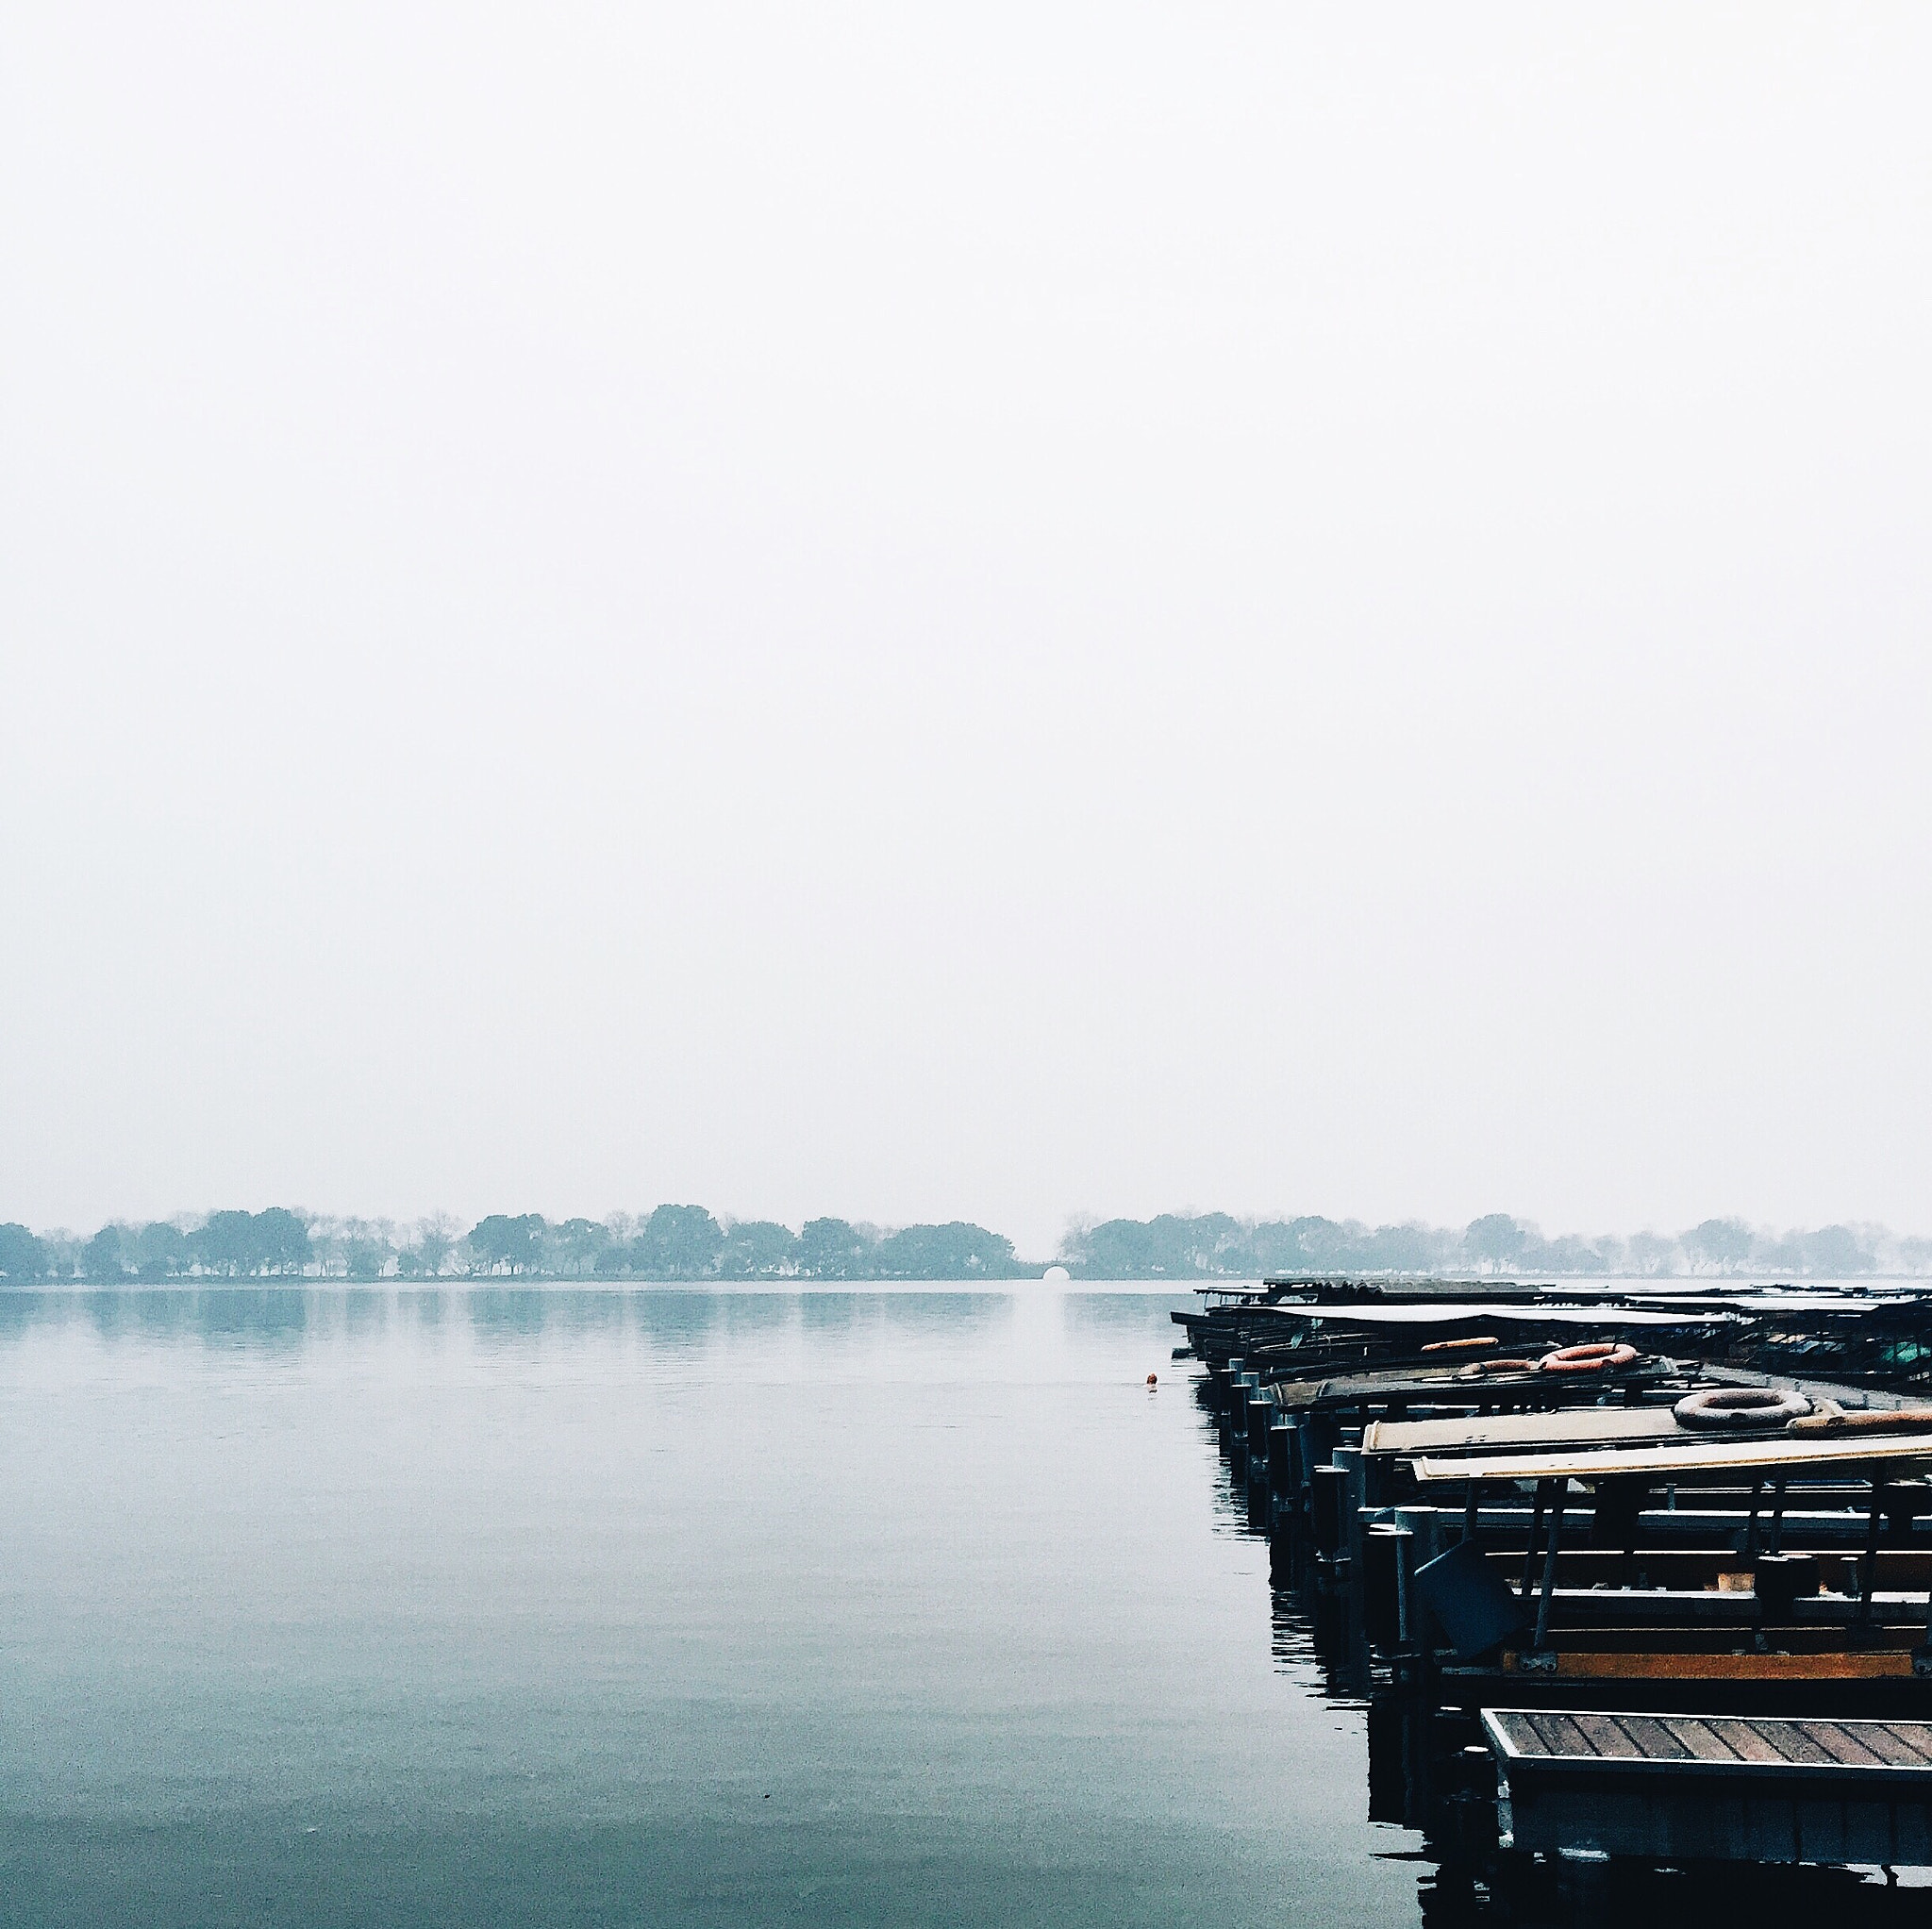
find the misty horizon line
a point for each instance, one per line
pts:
(685, 1242)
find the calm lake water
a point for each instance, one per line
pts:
(647, 1605)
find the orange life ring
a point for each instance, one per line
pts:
(1596, 1358)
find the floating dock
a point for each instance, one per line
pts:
(1717, 1787)
(1607, 1592)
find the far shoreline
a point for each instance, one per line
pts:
(457, 1282)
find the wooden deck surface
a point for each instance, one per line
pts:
(1580, 1738)
(1711, 1455)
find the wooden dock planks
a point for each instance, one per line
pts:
(1712, 1742)
(1728, 1788)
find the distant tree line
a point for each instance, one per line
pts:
(1497, 1245)
(674, 1242)
(685, 1242)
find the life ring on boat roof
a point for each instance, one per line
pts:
(1600, 1358)
(1718, 1407)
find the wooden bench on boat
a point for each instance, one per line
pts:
(1712, 1788)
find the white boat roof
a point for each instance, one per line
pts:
(1449, 1311)
(1691, 1454)
(1768, 1301)
(1576, 1426)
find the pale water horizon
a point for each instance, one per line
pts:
(498, 1606)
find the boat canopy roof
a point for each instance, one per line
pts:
(1448, 1312)
(1690, 1455)
(1757, 1295)
(1786, 1301)
(1578, 1427)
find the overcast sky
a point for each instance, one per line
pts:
(993, 612)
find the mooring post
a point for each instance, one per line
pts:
(1427, 1531)
(1261, 1418)
(1777, 1515)
(1239, 1394)
(1425, 1524)
(1325, 1435)
(1354, 1497)
(1405, 1559)
(1280, 1466)
(1328, 1484)
(1283, 1494)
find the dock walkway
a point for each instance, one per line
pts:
(1684, 1788)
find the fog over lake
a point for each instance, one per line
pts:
(686, 690)
(993, 616)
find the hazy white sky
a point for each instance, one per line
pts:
(987, 612)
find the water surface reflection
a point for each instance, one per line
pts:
(498, 1605)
